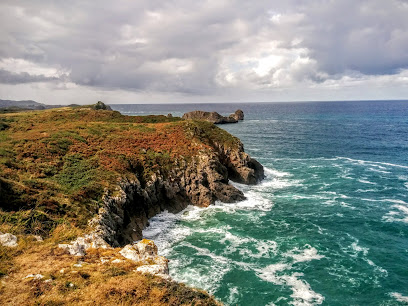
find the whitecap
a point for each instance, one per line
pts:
(302, 293)
(379, 171)
(233, 297)
(269, 172)
(357, 249)
(372, 163)
(399, 297)
(366, 190)
(307, 254)
(366, 182)
(399, 214)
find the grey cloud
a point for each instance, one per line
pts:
(178, 45)
(7, 77)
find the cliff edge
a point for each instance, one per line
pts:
(82, 181)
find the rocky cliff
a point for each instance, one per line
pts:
(117, 171)
(214, 117)
(82, 181)
(199, 181)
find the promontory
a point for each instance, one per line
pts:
(79, 184)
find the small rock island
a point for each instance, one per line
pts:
(214, 117)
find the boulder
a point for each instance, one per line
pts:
(145, 252)
(81, 244)
(8, 240)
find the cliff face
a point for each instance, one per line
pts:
(117, 171)
(214, 117)
(200, 181)
(80, 181)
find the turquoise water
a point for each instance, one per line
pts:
(328, 225)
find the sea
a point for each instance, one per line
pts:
(327, 226)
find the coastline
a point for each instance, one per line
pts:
(168, 181)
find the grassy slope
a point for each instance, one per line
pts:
(54, 167)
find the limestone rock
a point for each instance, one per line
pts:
(145, 251)
(8, 240)
(213, 117)
(81, 244)
(238, 115)
(141, 251)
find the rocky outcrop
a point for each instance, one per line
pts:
(79, 246)
(214, 117)
(238, 115)
(8, 240)
(145, 252)
(200, 181)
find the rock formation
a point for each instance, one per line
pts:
(145, 252)
(238, 115)
(201, 181)
(8, 240)
(214, 117)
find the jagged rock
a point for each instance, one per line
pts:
(238, 115)
(200, 182)
(81, 244)
(213, 117)
(8, 240)
(145, 251)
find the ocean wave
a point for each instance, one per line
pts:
(302, 255)
(357, 251)
(398, 213)
(366, 190)
(302, 293)
(399, 297)
(379, 171)
(366, 182)
(275, 173)
(380, 165)
(386, 200)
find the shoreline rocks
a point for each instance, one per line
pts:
(199, 181)
(145, 251)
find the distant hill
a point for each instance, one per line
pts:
(14, 106)
(26, 104)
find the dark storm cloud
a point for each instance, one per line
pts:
(197, 47)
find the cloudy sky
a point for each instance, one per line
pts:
(149, 51)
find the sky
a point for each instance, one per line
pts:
(176, 51)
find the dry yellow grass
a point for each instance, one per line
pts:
(89, 280)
